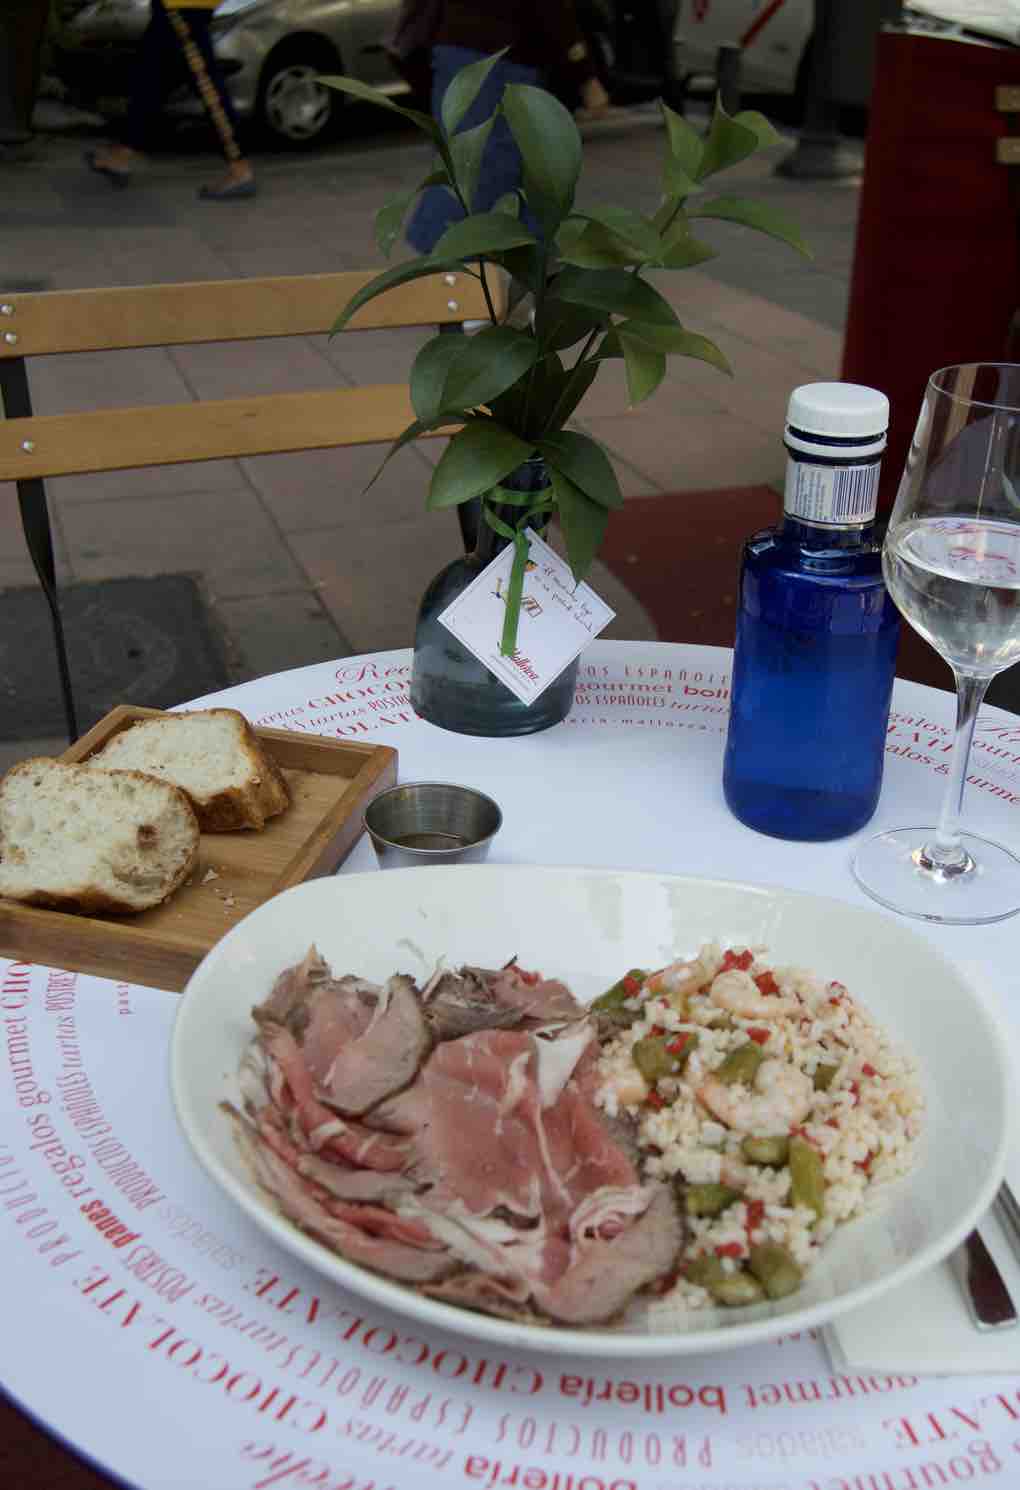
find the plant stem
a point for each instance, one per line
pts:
(552, 421)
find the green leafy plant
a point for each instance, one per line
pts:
(513, 386)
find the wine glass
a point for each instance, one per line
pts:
(952, 565)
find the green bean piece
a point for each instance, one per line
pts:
(736, 1289)
(620, 991)
(708, 1199)
(823, 1077)
(775, 1268)
(705, 1271)
(807, 1179)
(652, 1058)
(741, 1065)
(773, 1151)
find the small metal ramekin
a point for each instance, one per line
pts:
(431, 822)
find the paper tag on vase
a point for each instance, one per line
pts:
(559, 617)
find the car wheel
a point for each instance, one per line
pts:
(294, 109)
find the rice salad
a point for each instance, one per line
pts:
(770, 1100)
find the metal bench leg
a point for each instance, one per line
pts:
(35, 521)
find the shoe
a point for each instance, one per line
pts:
(120, 179)
(228, 192)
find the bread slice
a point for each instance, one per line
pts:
(79, 838)
(214, 756)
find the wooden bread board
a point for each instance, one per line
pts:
(331, 782)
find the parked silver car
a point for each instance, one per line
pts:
(271, 53)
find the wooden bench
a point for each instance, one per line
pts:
(34, 447)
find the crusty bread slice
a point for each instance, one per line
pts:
(214, 756)
(78, 838)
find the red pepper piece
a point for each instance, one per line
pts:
(868, 1070)
(766, 983)
(632, 986)
(655, 1100)
(730, 1249)
(755, 1214)
(740, 960)
(759, 1036)
(676, 1047)
(530, 978)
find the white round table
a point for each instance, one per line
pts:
(196, 1355)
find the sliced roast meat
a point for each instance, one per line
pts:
(544, 1000)
(460, 1003)
(345, 1183)
(605, 1274)
(353, 1075)
(293, 987)
(301, 1203)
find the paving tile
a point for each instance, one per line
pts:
(377, 356)
(326, 488)
(692, 451)
(104, 380)
(372, 585)
(225, 536)
(270, 633)
(247, 368)
(146, 481)
(16, 567)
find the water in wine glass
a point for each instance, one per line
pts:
(952, 566)
(957, 581)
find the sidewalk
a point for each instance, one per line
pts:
(296, 564)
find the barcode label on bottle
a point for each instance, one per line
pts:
(832, 496)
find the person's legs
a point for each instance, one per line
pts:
(191, 28)
(176, 40)
(501, 163)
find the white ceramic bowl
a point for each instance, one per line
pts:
(588, 926)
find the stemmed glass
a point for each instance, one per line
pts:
(952, 565)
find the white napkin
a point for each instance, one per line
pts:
(924, 1329)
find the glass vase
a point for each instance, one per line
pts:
(449, 686)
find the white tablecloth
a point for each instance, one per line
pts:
(193, 1354)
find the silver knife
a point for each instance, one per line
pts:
(988, 1300)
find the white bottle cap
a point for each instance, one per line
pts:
(839, 409)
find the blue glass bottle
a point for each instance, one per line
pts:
(816, 638)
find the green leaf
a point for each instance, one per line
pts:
(675, 180)
(767, 134)
(413, 431)
(585, 462)
(591, 246)
(628, 226)
(466, 151)
(523, 265)
(400, 274)
(582, 521)
(728, 141)
(561, 325)
(675, 340)
(550, 147)
(486, 365)
(477, 457)
(525, 407)
(646, 366)
(362, 91)
(616, 292)
(685, 144)
(509, 202)
(429, 370)
(485, 233)
(574, 386)
(757, 215)
(464, 89)
(680, 250)
(390, 217)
